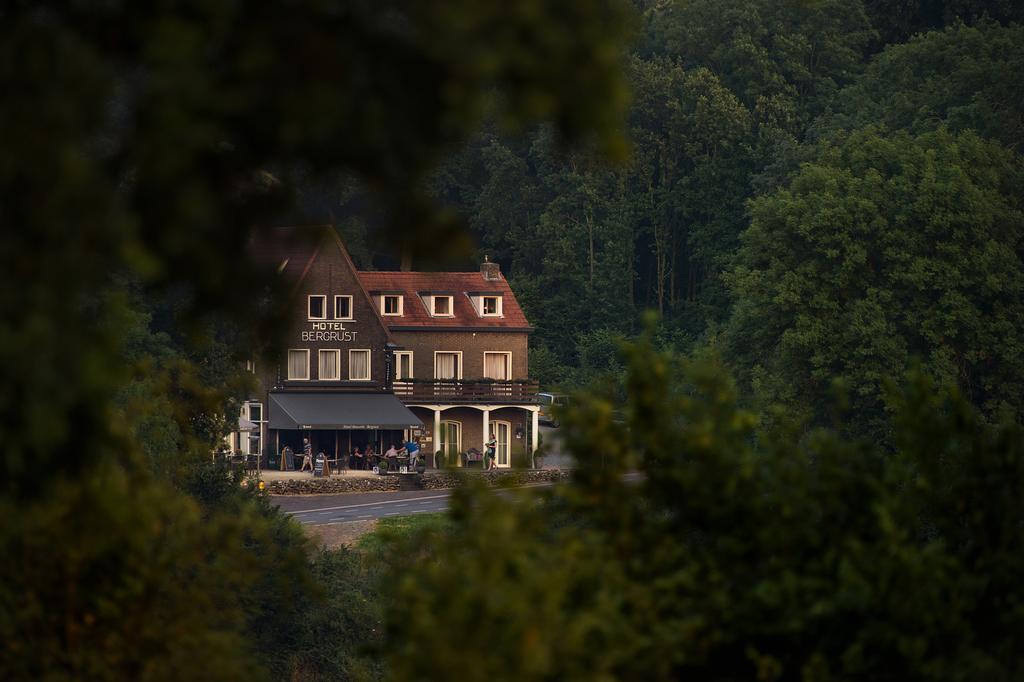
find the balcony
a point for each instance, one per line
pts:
(467, 390)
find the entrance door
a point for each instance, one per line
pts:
(450, 442)
(502, 430)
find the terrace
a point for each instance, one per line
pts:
(467, 390)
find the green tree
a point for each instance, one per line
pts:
(734, 557)
(887, 247)
(152, 141)
(767, 52)
(899, 20)
(963, 78)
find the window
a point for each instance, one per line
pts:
(298, 364)
(255, 412)
(403, 365)
(330, 365)
(449, 441)
(392, 305)
(359, 365)
(501, 431)
(343, 307)
(498, 366)
(442, 306)
(318, 307)
(448, 365)
(490, 306)
(249, 441)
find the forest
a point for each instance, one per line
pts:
(818, 192)
(775, 248)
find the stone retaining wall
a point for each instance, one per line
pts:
(432, 480)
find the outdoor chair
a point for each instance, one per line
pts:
(335, 464)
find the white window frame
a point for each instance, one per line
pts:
(369, 364)
(458, 442)
(497, 307)
(433, 306)
(289, 362)
(383, 308)
(508, 443)
(412, 372)
(508, 363)
(309, 306)
(320, 364)
(247, 411)
(458, 376)
(246, 445)
(351, 313)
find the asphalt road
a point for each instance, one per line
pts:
(323, 509)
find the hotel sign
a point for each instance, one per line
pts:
(328, 331)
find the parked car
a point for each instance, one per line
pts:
(548, 403)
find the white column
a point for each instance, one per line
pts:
(436, 442)
(534, 433)
(487, 426)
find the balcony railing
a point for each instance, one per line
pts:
(467, 390)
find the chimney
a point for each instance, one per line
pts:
(490, 271)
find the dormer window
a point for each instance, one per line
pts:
(317, 307)
(343, 307)
(490, 306)
(442, 306)
(391, 304)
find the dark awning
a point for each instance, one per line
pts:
(292, 411)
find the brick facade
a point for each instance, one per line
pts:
(326, 270)
(330, 275)
(423, 344)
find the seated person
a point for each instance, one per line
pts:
(371, 456)
(392, 456)
(357, 461)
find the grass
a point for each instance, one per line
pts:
(395, 528)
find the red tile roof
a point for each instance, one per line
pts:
(293, 250)
(458, 285)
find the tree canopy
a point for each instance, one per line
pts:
(887, 247)
(146, 143)
(735, 556)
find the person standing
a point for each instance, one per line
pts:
(490, 448)
(412, 448)
(307, 455)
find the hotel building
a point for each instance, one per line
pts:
(376, 357)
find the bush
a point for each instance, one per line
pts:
(739, 555)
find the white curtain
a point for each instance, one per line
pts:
(298, 364)
(329, 364)
(446, 366)
(359, 364)
(496, 366)
(404, 366)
